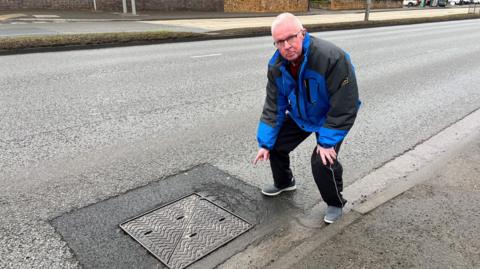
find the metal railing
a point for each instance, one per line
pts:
(474, 9)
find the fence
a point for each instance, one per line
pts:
(474, 9)
(354, 4)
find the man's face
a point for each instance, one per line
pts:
(288, 39)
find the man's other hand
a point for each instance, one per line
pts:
(263, 154)
(327, 154)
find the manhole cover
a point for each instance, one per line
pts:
(185, 230)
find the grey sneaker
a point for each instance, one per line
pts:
(333, 214)
(272, 190)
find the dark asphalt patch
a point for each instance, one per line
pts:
(94, 235)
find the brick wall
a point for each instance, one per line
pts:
(9, 4)
(175, 5)
(360, 4)
(115, 5)
(320, 4)
(41, 4)
(265, 5)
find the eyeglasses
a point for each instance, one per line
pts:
(290, 39)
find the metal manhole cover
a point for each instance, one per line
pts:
(185, 230)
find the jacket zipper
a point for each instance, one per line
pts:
(307, 88)
(297, 92)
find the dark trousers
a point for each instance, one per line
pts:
(327, 177)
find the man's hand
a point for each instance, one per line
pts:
(327, 154)
(263, 154)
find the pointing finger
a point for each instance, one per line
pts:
(256, 159)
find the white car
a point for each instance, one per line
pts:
(410, 3)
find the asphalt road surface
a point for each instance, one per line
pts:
(32, 28)
(82, 126)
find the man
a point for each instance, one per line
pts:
(311, 89)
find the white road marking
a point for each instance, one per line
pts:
(46, 16)
(208, 55)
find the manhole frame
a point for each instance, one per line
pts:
(250, 226)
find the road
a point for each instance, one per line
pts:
(40, 28)
(79, 127)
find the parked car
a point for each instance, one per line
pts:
(463, 2)
(410, 3)
(442, 3)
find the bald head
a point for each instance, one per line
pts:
(286, 19)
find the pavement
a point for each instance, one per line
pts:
(435, 224)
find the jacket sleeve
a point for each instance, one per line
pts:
(344, 102)
(273, 113)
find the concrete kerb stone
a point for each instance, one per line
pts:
(288, 260)
(366, 194)
(411, 168)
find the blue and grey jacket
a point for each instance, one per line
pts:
(323, 100)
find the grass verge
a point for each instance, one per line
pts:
(93, 39)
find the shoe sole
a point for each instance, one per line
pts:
(330, 221)
(280, 191)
